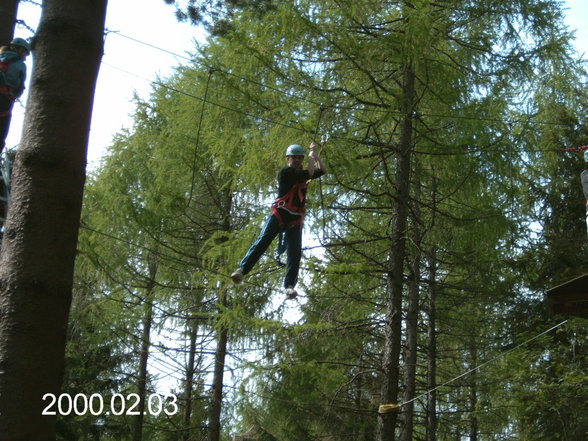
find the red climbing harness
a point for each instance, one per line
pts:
(292, 202)
(8, 93)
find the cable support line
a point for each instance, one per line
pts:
(385, 408)
(216, 68)
(222, 106)
(196, 144)
(385, 111)
(120, 34)
(294, 125)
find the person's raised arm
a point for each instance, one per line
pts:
(315, 161)
(311, 160)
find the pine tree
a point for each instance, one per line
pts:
(39, 243)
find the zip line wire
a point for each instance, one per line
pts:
(202, 99)
(224, 71)
(292, 95)
(387, 408)
(294, 125)
(196, 144)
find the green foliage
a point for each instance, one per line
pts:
(188, 186)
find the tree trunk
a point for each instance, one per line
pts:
(142, 377)
(395, 282)
(473, 394)
(412, 328)
(431, 409)
(431, 428)
(145, 345)
(39, 244)
(8, 13)
(189, 382)
(214, 416)
(217, 385)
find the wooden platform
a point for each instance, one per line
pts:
(569, 298)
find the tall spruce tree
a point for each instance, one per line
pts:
(39, 243)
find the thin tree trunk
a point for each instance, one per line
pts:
(144, 358)
(431, 430)
(218, 382)
(189, 382)
(8, 14)
(39, 244)
(395, 283)
(358, 429)
(214, 415)
(431, 411)
(473, 395)
(412, 328)
(411, 359)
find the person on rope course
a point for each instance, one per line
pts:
(286, 216)
(13, 73)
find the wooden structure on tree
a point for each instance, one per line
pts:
(569, 298)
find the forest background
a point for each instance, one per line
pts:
(450, 208)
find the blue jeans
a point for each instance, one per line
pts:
(293, 240)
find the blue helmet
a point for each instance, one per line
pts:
(295, 150)
(21, 42)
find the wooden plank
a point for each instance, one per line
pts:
(569, 298)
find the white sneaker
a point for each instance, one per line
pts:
(291, 293)
(237, 276)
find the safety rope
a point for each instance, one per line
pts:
(389, 408)
(323, 141)
(210, 72)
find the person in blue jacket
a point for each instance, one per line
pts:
(287, 215)
(13, 73)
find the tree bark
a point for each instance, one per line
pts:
(397, 255)
(431, 428)
(39, 244)
(8, 14)
(218, 381)
(189, 382)
(214, 416)
(144, 359)
(412, 328)
(473, 394)
(431, 408)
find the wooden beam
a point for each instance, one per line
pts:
(570, 298)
